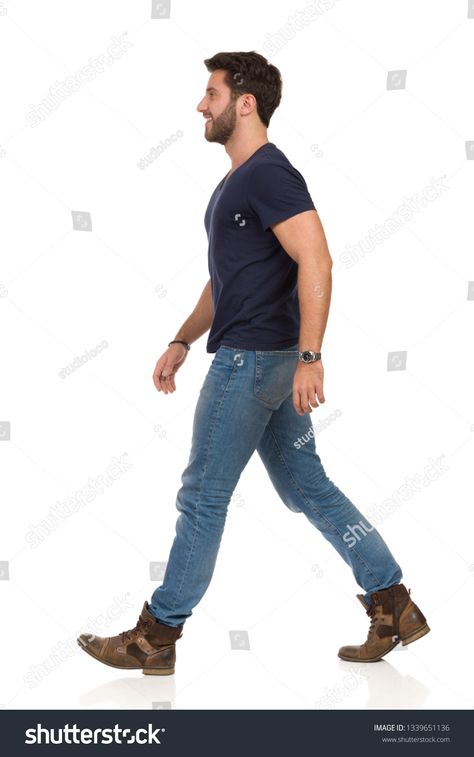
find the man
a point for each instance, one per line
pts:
(266, 306)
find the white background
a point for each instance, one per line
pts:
(134, 278)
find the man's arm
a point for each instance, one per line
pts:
(302, 237)
(200, 319)
(195, 326)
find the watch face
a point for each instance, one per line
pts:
(307, 356)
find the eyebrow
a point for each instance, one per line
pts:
(211, 89)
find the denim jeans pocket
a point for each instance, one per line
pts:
(274, 371)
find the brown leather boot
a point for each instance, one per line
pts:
(150, 646)
(393, 618)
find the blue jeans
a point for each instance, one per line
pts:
(246, 404)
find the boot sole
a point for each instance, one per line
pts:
(146, 671)
(407, 640)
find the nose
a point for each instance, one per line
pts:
(201, 105)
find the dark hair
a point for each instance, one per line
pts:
(250, 72)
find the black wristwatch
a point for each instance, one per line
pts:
(308, 356)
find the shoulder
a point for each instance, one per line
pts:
(273, 171)
(272, 162)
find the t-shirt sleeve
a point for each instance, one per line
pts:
(277, 192)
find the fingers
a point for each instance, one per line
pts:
(320, 393)
(311, 400)
(163, 377)
(304, 405)
(166, 368)
(164, 382)
(167, 383)
(297, 402)
(304, 400)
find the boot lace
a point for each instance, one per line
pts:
(371, 612)
(129, 635)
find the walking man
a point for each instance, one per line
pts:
(265, 306)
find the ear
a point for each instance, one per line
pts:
(248, 104)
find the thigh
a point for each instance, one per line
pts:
(228, 420)
(288, 451)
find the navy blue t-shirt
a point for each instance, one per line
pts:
(253, 279)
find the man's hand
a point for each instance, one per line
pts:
(308, 386)
(166, 367)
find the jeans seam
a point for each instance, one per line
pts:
(258, 366)
(196, 508)
(315, 509)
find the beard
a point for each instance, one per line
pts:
(220, 129)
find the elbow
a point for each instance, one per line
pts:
(324, 262)
(321, 260)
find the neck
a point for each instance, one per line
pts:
(241, 151)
